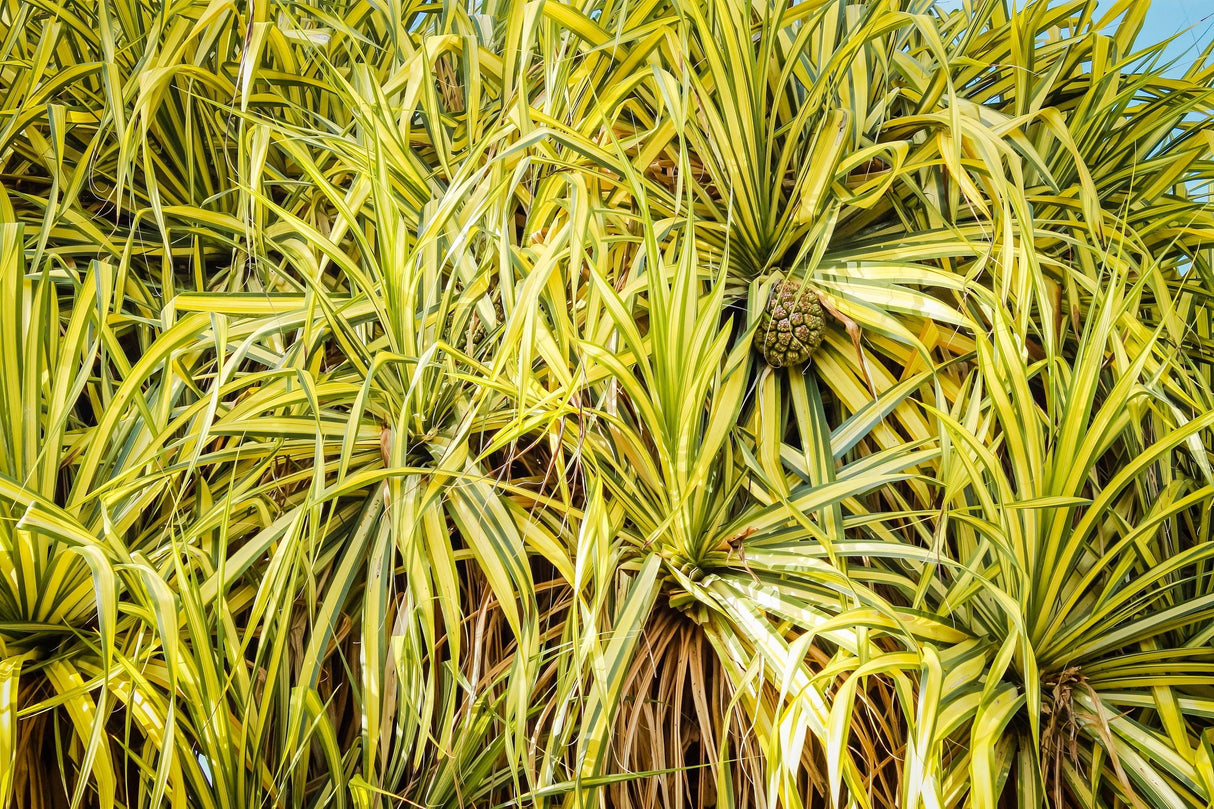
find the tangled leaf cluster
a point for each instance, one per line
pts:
(652, 403)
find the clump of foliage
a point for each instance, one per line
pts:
(388, 413)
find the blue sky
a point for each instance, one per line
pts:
(1167, 17)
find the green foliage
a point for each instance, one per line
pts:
(384, 420)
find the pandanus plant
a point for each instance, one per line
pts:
(619, 403)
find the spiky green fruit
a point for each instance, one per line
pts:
(790, 328)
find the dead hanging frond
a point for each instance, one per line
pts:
(679, 724)
(1059, 737)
